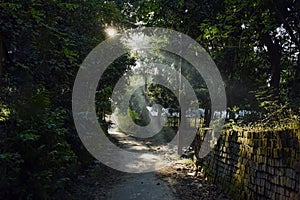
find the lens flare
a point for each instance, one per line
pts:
(111, 31)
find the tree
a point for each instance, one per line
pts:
(42, 45)
(252, 47)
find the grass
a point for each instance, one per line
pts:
(186, 161)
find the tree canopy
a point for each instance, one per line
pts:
(255, 45)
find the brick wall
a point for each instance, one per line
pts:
(256, 165)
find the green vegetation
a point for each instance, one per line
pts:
(42, 45)
(255, 45)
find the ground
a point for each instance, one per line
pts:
(173, 182)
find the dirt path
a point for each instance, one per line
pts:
(173, 182)
(185, 185)
(142, 187)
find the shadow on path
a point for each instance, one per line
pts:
(141, 186)
(172, 182)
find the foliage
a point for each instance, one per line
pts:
(38, 160)
(255, 45)
(269, 113)
(42, 44)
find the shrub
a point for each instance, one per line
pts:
(38, 161)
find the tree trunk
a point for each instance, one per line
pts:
(295, 90)
(1, 56)
(159, 118)
(207, 116)
(297, 73)
(274, 55)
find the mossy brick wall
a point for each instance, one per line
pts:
(256, 165)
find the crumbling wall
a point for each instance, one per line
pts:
(256, 164)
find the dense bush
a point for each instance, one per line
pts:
(38, 161)
(42, 44)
